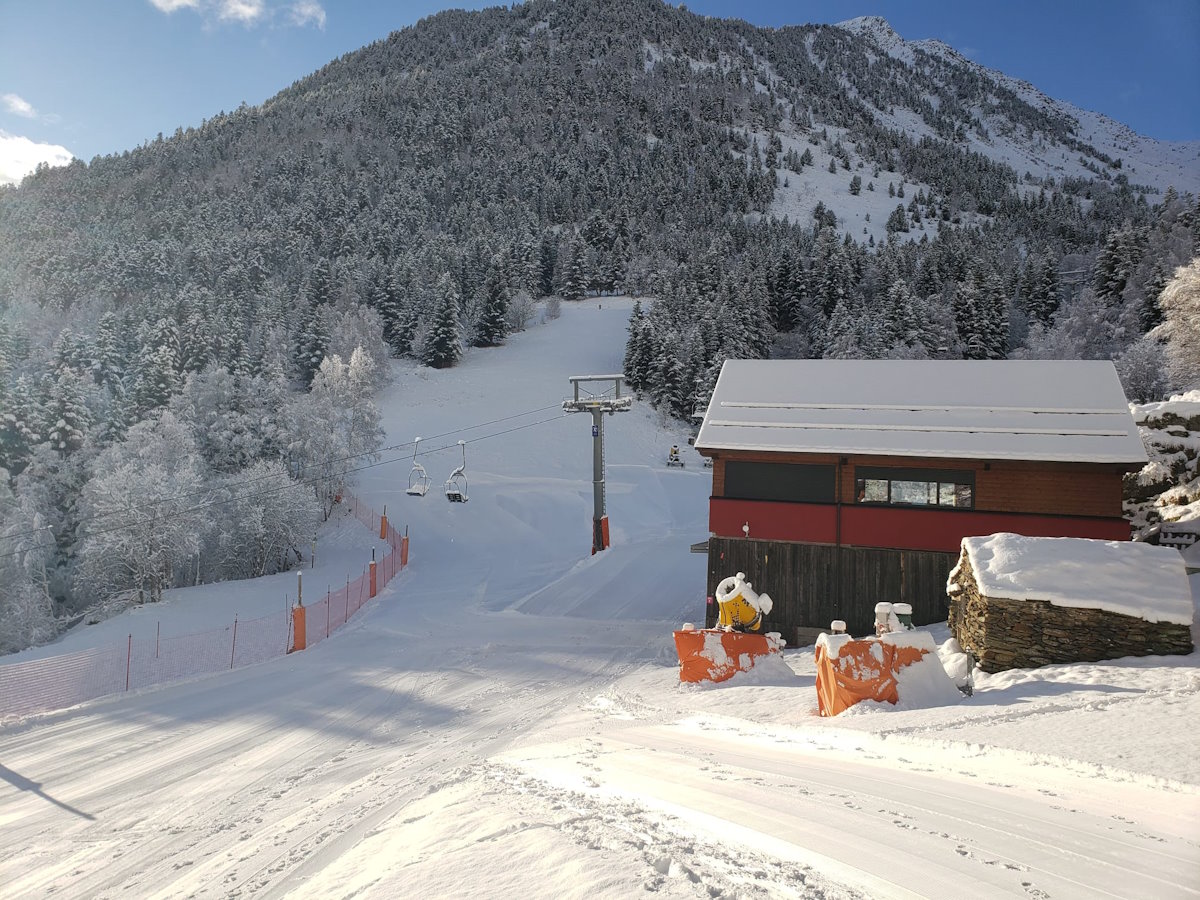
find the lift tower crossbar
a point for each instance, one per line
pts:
(608, 401)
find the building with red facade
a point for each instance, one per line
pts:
(841, 483)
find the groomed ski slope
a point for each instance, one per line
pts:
(505, 720)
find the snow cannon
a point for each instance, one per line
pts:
(741, 609)
(717, 654)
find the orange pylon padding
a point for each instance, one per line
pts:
(717, 655)
(863, 670)
(299, 636)
(404, 551)
(372, 569)
(383, 527)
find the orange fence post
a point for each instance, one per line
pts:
(404, 551)
(299, 635)
(372, 594)
(383, 525)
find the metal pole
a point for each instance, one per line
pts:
(598, 479)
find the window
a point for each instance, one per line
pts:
(780, 482)
(948, 488)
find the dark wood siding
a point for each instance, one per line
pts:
(811, 585)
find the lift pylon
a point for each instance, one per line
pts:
(608, 401)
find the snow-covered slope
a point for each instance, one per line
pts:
(1144, 161)
(506, 719)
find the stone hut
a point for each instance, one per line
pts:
(1021, 602)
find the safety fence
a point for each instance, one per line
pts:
(57, 682)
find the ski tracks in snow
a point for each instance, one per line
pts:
(880, 825)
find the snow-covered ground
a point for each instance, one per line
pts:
(506, 719)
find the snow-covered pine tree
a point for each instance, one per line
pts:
(492, 326)
(443, 344)
(66, 414)
(574, 276)
(311, 342)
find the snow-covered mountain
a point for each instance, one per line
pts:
(1082, 144)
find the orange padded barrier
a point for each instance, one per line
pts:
(299, 637)
(715, 655)
(864, 670)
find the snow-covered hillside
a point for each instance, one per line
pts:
(1144, 161)
(506, 719)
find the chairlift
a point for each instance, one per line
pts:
(418, 478)
(456, 484)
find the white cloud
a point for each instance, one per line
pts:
(304, 11)
(251, 12)
(19, 156)
(169, 6)
(18, 106)
(245, 11)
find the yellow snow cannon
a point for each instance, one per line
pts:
(717, 654)
(741, 609)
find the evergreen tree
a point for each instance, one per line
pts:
(574, 277)
(67, 415)
(154, 379)
(443, 344)
(311, 343)
(491, 328)
(547, 261)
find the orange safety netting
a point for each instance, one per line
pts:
(716, 655)
(57, 682)
(863, 670)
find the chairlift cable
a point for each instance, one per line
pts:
(162, 516)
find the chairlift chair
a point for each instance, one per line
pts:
(418, 478)
(456, 484)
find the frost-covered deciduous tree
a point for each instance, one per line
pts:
(336, 427)
(1180, 302)
(1143, 372)
(267, 520)
(139, 533)
(26, 607)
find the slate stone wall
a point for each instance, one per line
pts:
(1021, 634)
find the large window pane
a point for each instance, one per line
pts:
(872, 490)
(917, 493)
(915, 487)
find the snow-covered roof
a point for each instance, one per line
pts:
(1128, 577)
(1044, 410)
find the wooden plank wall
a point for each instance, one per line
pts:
(813, 584)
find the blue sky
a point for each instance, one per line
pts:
(86, 77)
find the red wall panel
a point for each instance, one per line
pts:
(811, 523)
(901, 528)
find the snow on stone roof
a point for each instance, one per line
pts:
(1127, 577)
(1044, 410)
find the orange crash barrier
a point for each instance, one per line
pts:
(862, 670)
(716, 655)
